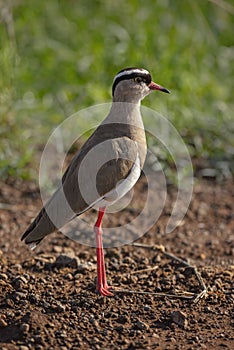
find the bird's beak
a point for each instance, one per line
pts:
(154, 86)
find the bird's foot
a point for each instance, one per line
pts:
(104, 290)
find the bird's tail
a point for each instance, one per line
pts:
(38, 229)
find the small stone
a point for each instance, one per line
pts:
(3, 322)
(38, 339)
(147, 308)
(171, 340)
(57, 249)
(203, 210)
(69, 276)
(82, 268)
(3, 283)
(180, 277)
(19, 295)
(26, 276)
(23, 279)
(10, 302)
(3, 276)
(155, 335)
(19, 282)
(67, 261)
(33, 298)
(23, 347)
(179, 318)
(122, 319)
(18, 267)
(129, 261)
(24, 327)
(207, 309)
(202, 256)
(141, 325)
(45, 304)
(60, 307)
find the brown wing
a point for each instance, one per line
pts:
(94, 171)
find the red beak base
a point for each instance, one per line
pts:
(154, 86)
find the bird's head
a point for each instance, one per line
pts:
(133, 84)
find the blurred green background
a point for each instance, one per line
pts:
(60, 56)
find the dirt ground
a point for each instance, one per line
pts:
(48, 298)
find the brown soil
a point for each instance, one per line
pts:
(48, 298)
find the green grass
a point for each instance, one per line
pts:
(57, 57)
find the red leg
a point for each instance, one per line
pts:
(102, 286)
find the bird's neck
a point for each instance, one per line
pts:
(125, 113)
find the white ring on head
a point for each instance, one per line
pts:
(128, 72)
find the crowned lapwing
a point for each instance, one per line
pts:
(122, 132)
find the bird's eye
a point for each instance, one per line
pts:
(138, 80)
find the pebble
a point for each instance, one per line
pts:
(122, 319)
(33, 298)
(203, 209)
(179, 318)
(3, 276)
(38, 339)
(23, 279)
(18, 297)
(18, 267)
(3, 322)
(155, 335)
(60, 307)
(24, 327)
(180, 277)
(57, 249)
(171, 340)
(147, 308)
(129, 261)
(45, 304)
(141, 325)
(67, 261)
(202, 256)
(207, 309)
(10, 302)
(26, 276)
(19, 282)
(3, 283)
(82, 268)
(69, 276)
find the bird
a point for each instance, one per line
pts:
(121, 136)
